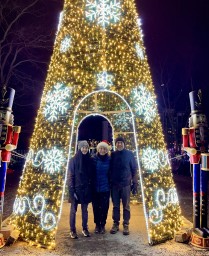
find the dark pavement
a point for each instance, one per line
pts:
(111, 245)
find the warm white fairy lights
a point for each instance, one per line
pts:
(37, 206)
(144, 103)
(57, 102)
(103, 12)
(104, 79)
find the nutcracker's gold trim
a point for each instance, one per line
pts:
(17, 129)
(191, 151)
(185, 131)
(199, 241)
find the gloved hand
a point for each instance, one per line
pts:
(134, 188)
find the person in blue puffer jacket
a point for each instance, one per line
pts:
(101, 187)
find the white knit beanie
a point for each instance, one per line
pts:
(103, 144)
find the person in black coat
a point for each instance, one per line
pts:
(123, 175)
(80, 187)
(101, 187)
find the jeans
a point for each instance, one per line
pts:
(123, 194)
(100, 204)
(73, 210)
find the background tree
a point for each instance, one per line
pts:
(25, 47)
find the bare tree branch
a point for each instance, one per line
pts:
(22, 40)
(22, 12)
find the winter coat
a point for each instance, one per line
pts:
(101, 166)
(79, 179)
(123, 168)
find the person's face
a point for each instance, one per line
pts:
(84, 150)
(120, 145)
(102, 151)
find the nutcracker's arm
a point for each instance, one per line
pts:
(185, 137)
(14, 140)
(189, 145)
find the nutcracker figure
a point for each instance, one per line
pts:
(9, 135)
(195, 142)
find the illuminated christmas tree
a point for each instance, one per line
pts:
(99, 66)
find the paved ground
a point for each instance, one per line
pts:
(111, 245)
(107, 244)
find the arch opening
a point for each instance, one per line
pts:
(95, 128)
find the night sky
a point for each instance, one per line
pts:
(176, 38)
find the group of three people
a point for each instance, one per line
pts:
(94, 179)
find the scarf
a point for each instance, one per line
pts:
(82, 162)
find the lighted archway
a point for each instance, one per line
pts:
(104, 113)
(94, 50)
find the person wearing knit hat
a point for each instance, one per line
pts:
(120, 139)
(123, 175)
(79, 183)
(83, 143)
(101, 187)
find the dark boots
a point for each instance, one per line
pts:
(114, 228)
(125, 229)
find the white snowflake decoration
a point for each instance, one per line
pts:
(150, 159)
(104, 79)
(139, 51)
(65, 44)
(154, 159)
(144, 103)
(103, 12)
(122, 120)
(53, 160)
(57, 102)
